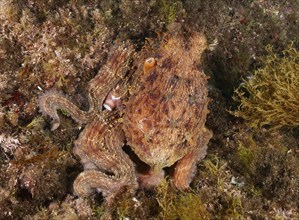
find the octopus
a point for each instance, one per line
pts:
(155, 102)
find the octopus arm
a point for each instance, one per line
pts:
(185, 169)
(51, 101)
(111, 170)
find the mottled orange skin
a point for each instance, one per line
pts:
(164, 120)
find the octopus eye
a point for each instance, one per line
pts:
(111, 102)
(149, 64)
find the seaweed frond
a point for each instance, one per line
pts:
(270, 95)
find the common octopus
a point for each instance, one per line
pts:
(159, 109)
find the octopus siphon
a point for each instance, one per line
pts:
(158, 109)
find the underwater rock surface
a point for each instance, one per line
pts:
(248, 172)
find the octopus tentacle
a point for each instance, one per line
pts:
(185, 169)
(51, 101)
(108, 77)
(112, 170)
(112, 73)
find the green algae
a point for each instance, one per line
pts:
(180, 205)
(267, 162)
